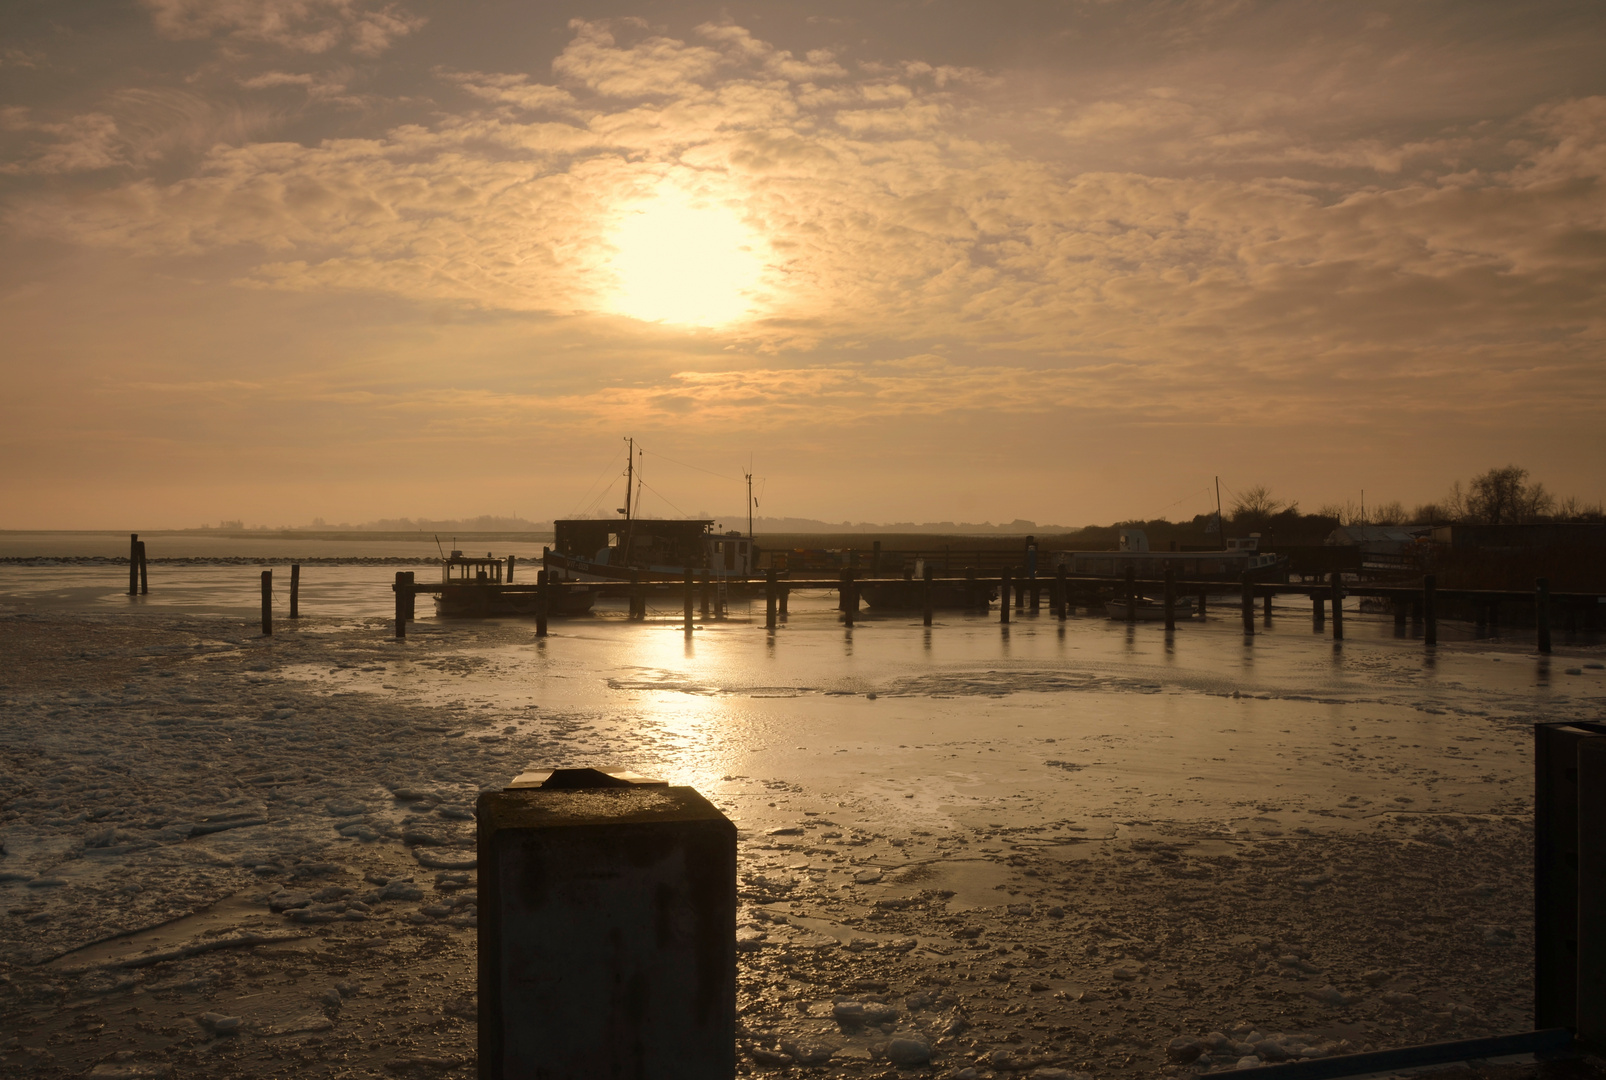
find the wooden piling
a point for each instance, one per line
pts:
(1430, 610)
(1020, 593)
(973, 596)
(1062, 593)
(144, 577)
(925, 596)
(842, 589)
(510, 560)
(1131, 594)
(1542, 613)
(1591, 1008)
(1265, 608)
(707, 591)
(1037, 596)
(412, 595)
(543, 600)
(1318, 614)
(786, 592)
(769, 599)
(850, 598)
(1338, 606)
(691, 591)
(1003, 596)
(1170, 599)
(267, 603)
(638, 602)
(1248, 603)
(133, 564)
(295, 590)
(401, 601)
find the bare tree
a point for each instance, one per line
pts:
(1504, 497)
(1257, 503)
(1389, 513)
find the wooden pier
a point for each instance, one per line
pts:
(1420, 603)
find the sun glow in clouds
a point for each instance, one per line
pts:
(680, 260)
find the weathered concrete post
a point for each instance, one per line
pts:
(691, 589)
(1566, 787)
(1591, 1023)
(1430, 610)
(769, 599)
(267, 603)
(1131, 594)
(133, 564)
(1248, 603)
(1338, 606)
(925, 595)
(1170, 599)
(1542, 613)
(144, 578)
(401, 601)
(543, 600)
(1003, 596)
(295, 590)
(607, 930)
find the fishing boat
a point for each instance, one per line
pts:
(909, 595)
(1241, 556)
(1147, 609)
(650, 550)
(473, 587)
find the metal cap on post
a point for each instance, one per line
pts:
(607, 929)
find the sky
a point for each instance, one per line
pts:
(275, 260)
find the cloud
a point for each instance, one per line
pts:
(308, 26)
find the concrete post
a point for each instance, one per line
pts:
(607, 930)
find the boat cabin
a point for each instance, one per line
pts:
(458, 569)
(653, 544)
(1241, 556)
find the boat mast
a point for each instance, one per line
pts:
(630, 482)
(1221, 530)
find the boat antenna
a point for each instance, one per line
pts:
(630, 482)
(438, 545)
(1221, 530)
(750, 504)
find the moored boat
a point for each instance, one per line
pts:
(473, 588)
(1147, 609)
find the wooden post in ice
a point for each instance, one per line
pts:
(133, 564)
(1062, 595)
(401, 601)
(295, 590)
(1203, 594)
(786, 592)
(1430, 610)
(1265, 609)
(1248, 603)
(1318, 614)
(543, 600)
(707, 591)
(1338, 606)
(510, 559)
(144, 579)
(267, 603)
(412, 595)
(691, 589)
(1542, 613)
(925, 595)
(769, 599)
(1170, 599)
(1003, 596)
(638, 602)
(850, 598)
(1131, 594)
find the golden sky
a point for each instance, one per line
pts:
(286, 259)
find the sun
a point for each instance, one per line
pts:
(682, 260)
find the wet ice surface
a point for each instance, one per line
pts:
(1068, 845)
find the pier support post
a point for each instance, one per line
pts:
(1020, 593)
(1248, 604)
(691, 589)
(144, 578)
(133, 564)
(1170, 599)
(295, 590)
(1265, 606)
(1338, 606)
(1037, 596)
(638, 604)
(850, 598)
(1203, 596)
(842, 590)
(267, 603)
(1062, 594)
(1131, 594)
(1430, 610)
(543, 600)
(401, 601)
(972, 594)
(1542, 613)
(510, 560)
(707, 590)
(786, 592)
(925, 596)
(1318, 616)
(769, 599)
(1591, 1024)
(1003, 597)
